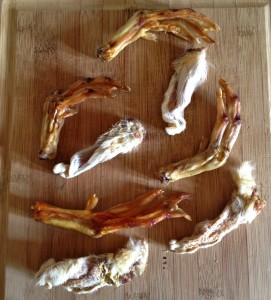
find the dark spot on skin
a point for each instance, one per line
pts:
(111, 44)
(164, 263)
(164, 257)
(88, 79)
(100, 51)
(195, 49)
(237, 118)
(60, 91)
(235, 97)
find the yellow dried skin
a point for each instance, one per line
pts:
(184, 23)
(224, 135)
(62, 104)
(145, 211)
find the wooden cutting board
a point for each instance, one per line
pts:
(45, 47)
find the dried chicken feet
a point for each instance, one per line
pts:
(184, 23)
(224, 135)
(125, 136)
(144, 211)
(244, 206)
(190, 72)
(88, 274)
(62, 104)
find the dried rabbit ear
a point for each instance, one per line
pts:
(244, 206)
(62, 104)
(183, 23)
(190, 72)
(145, 211)
(223, 138)
(88, 274)
(124, 137)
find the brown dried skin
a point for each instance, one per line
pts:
(184, 23)
(145, 211)
(86, 275)
(244, 206)
(224, 135)
(62, 104)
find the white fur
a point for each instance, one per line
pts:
(243, 208)
(122, 138)
(190, 72)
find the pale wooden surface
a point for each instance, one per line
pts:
(47, 45)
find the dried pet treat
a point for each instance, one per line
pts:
(190, 72)
(62, 104)
(183, 23)
(224, 135)
(144, 211)
(244, 206)
(125, 136)
(88, 274)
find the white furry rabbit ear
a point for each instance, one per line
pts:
(124, 137)
(244, 206)
(190, 72)
(86, 275)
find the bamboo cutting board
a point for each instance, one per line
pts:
(46, 46)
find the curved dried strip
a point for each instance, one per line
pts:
(224, 135)
(190, 72)
(88, 274)
(62, 104)
(124, 137)
(244, 206)
(184, 23)
(145, 211)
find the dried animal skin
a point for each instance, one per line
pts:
(62, 104)
(124, 136)
(144, 211)
(244, 206)
(224, 135)
(88, 274)
(183, 23)
(190, 72)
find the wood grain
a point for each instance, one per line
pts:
(47, 45)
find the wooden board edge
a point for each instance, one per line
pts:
(8, 17)
(267, 12)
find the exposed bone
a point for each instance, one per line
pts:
(184, 23)
(88, 274)
(224, 135)
(190, 72)
(144, 211)
(124, 136)
(244, 206)
(62, 104)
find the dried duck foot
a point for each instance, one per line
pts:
(184, 23)
(224, 135)
(124, 137)
(89, 274)
(244, 206)
(62, 104)
(145, 211)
